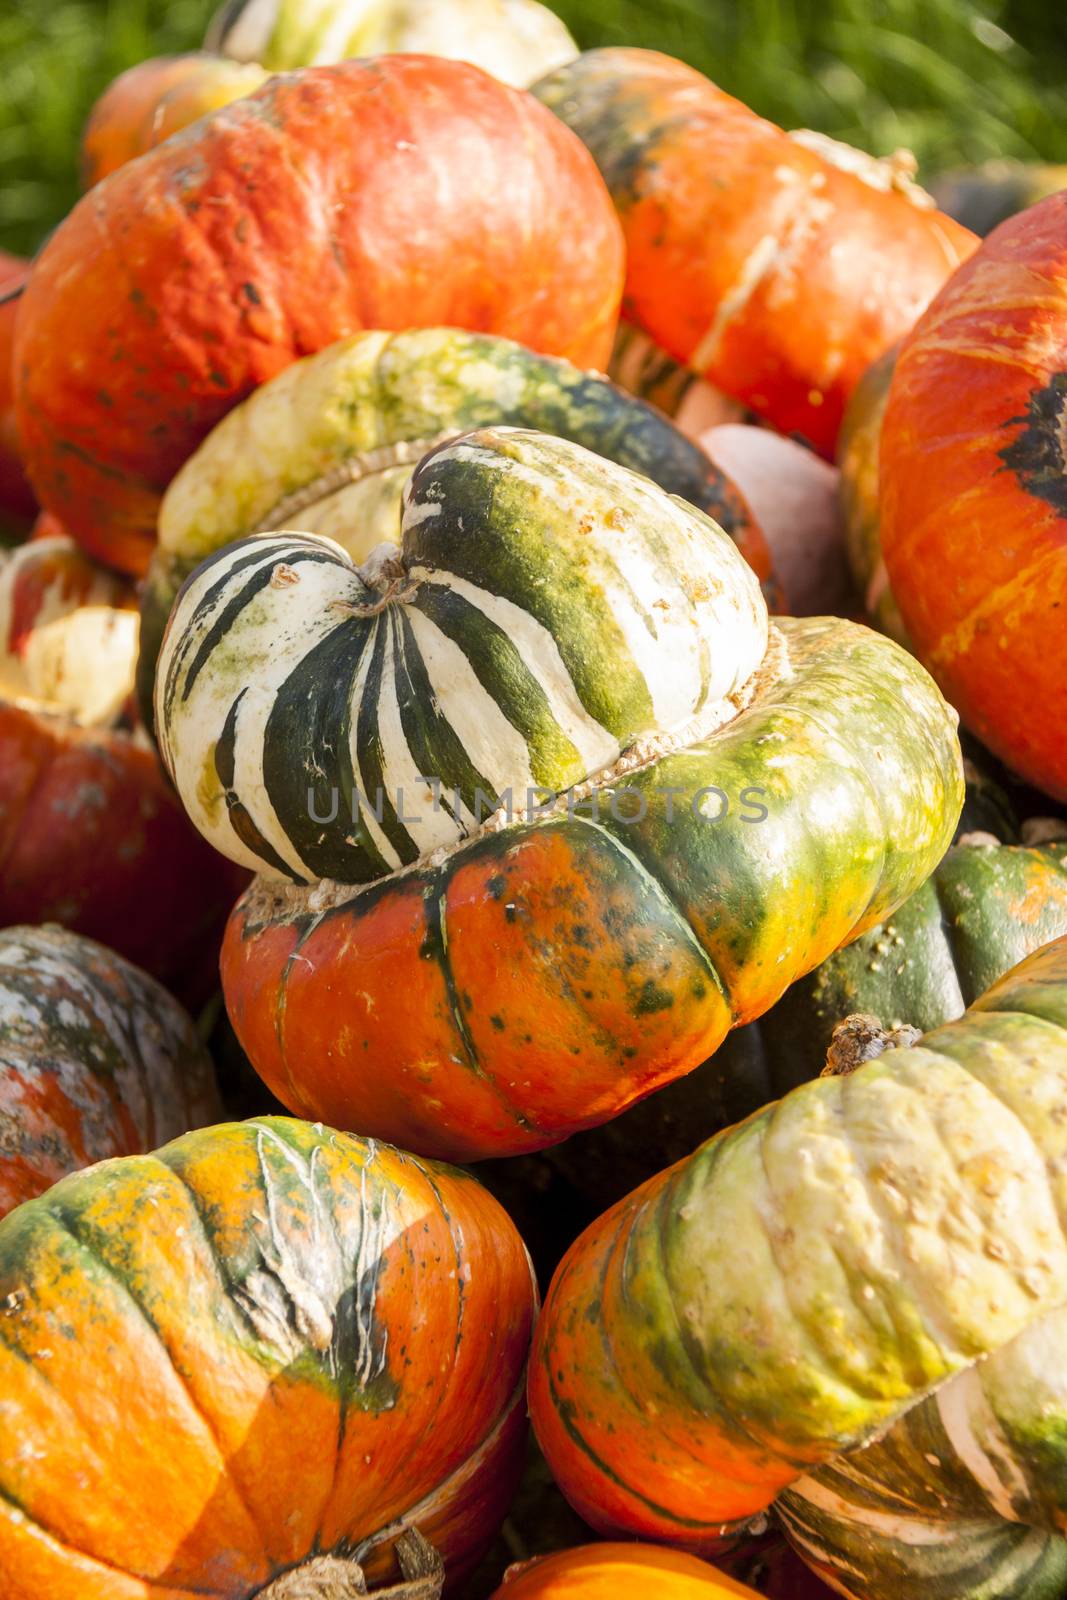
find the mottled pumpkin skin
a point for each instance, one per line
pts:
(96, 1060)
(974, 492)
(17, 503)
(264, 1341)
(782, 280)
(749, 1320)
(619, 1572)
(326, 203)
(547, 975)
(371, 407)
(154, 99)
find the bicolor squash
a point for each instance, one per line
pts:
(91, 834)
(620, 1572)
(330, 445)
(602, 809)
(850, 1306)
(515, 40)
(17, 503)
(781, 280)
(96, 1060)
(252, 1360)
(323, 204)
(974, 492)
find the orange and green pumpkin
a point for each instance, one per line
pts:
(851, 1307)
(542, 802)
(326, 203)
(254, 1358)
(96, 1060)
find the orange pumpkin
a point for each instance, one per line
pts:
(154, 99)
(614, 1571)
(974, 492)
(17, 503)
(778, 266)
(251, 1359)
(335, 199)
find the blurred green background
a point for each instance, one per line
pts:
(954, 80)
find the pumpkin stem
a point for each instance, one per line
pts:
(340, 1578)
(363, 464)
(861, 1038)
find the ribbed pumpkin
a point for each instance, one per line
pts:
(778, 266)
(96, 1060)
(17, 503)
(702, 805)
(330, 445)
(91, 834)
(619, 1572)
(851, 1306)
(154, 99)
(974, 492)
(515, 40)
(265, 1347)
(326, 203)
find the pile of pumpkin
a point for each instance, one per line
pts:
(597, 824)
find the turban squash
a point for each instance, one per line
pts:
(330, 444)
(785, 277)
(91, 834)
(264, 1343)
(96, 1060)
(734, 799)
(326, 203)
(850, 1306)
(974, 492)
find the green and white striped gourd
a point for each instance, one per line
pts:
(547, 612)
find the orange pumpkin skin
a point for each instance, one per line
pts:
(615, 1571)
(974, 492)
(93, 837)
(781, 280)
(285, 1340)
(154, 99)
(333, 200)
(17, 503)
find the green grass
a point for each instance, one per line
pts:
(954, 80)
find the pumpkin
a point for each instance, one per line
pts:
(848, 1306)
(590, 790)
(984, 196)
(613, 1571)
(154, 99)
(97, 1060)
(332, 441)
(974, 492)
(857, 455)
(91, 834)
(323, 204)
(643, 369)
(17, 503)
(515, 40)
(782, 280)
(793, 495)
(249, 1361)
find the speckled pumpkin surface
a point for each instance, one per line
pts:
(329, 446)
(323, 204)
(96, 1060)
(262, 1342)
(785, 277)
(653, 810)
(877, 1257)
(974, 492)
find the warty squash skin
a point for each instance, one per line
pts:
(330, 445)
(732, 801)
(264, 1342)
(974, 492)
(96, 1060)
(620, 1572)
(325, 203)
(877, 1257)
(782, 280)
